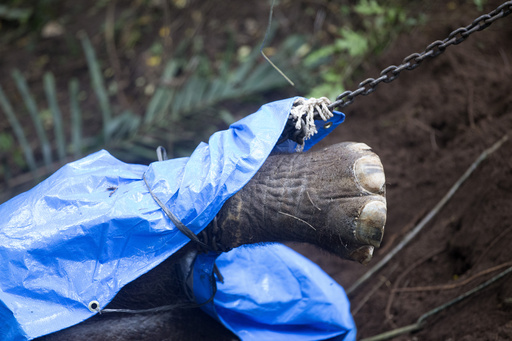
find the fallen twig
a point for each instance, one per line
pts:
(387, 312)
(454, 285)
(497, 239)
(421, 320)
(382, 280)
(430, 215)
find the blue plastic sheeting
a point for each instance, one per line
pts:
(270, 292)
(92, 227)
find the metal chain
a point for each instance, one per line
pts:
(414, 60)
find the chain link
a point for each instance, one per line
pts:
(414, 60)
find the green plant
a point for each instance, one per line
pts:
(479, 4)
(190, 92)
(193, 89)
(18, 14)
(26, 16)
(175, 108)
(376, 25)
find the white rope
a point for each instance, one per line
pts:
(304, 110)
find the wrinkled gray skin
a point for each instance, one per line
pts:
(334, 199)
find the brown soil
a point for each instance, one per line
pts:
(428, 127)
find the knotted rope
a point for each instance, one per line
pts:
(303, 113)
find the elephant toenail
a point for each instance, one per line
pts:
(370, 173)
(359, 147)
(363, 254)
(370, 224)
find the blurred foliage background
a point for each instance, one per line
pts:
(130, 75)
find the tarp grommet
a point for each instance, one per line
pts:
(327, 125)
(94, 306)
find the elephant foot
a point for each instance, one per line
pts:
(333, 198)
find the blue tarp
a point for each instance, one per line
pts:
(92, 227)
(271, 292)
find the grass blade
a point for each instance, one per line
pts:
(76, 118)
(214, 90)
(51, 97)
(160, 96)
(10, 13)
(245, 67)
(30, 103)
(18, 131)
(98, 83)
(166, 104)
(190, 92)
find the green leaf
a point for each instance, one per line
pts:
(123, 125)
(97, 82)
(31, 106)
(479, 4)
(355, 43)
(158, 102)
(76, 118)
(51, 96)
(18, 131)
(369, 7)
(6, 142)
(19, 14)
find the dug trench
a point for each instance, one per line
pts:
(428, 127)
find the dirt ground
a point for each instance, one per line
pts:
(428, 127)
